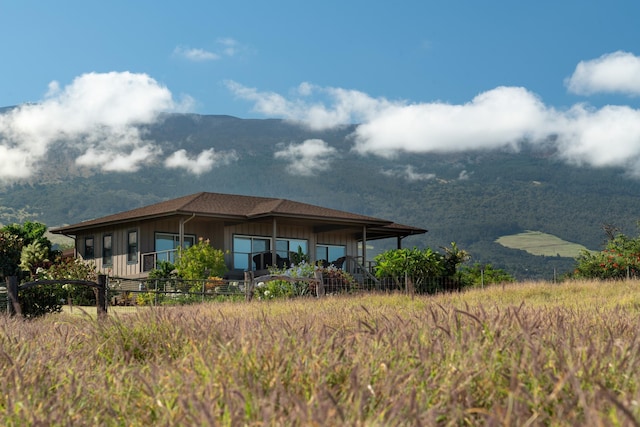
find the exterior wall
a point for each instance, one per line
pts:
(119, 265)
(219, 235)
(146, 242)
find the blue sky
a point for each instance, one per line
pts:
(419, 76)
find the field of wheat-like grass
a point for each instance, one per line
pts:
(522, 354)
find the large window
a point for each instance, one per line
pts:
(107, 249)
(132, 247)
(252, 253)
(330, 253)
(245, 248)
(88, 248)
(167, 243)
(285, 246)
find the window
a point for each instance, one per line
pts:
(88, 248)
(167, 243)
(330, 253)
(132, 247)
(245, 248)
(106, 249)
(285, 246)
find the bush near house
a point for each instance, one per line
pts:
(25, 252)
(200, 261)
(420, 265)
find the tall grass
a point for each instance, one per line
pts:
(528, 354)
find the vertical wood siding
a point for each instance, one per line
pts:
(219, 235)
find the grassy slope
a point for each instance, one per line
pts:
(541, 244)
(535, 353)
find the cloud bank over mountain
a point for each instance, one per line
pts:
(102, 118)
(99, 116)
(503, 117)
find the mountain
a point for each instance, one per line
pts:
(472, 198)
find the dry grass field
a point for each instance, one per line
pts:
(522, 354)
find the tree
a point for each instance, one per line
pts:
(416, 263)
(619, 259)
(30, 232)
(29, 237)
(419, 266)
(453, 257)
(10, 250)
(33, 256)
(200, 261)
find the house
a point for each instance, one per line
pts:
(253, 231)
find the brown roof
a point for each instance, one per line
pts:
(230, 206)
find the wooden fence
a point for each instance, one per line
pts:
(13, 288)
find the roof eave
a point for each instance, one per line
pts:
(350, 221)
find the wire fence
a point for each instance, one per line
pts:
(125, 292)
(131, 294)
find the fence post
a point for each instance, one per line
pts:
(248, 285)
(102, 295)
(13, 305)
(319, 284)
(408, 284)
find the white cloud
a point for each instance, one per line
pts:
(15, 164)
(229, 45)
(617, 72)
(96, 116)
(609, 136)
(409, 173)
(226, 47)
(202, 163)
(501, 118)
(195, 54)
(308, 158)
(346, 106)
(109, 161)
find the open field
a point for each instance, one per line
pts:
(538, 243)
(524, 354)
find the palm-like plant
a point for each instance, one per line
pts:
(34, 255)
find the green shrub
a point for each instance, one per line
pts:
(200, 261)
(150, 298)
(41, 299)
(484, 274)
(619, 259)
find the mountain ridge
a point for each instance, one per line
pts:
(472, 198)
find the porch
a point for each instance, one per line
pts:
(260, 264)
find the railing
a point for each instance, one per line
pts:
(353, 265)
(131, 292)
(150, 259)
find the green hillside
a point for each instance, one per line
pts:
(470, 198)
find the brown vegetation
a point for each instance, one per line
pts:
(533, 354)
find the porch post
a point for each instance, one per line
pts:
(399, 244)
(364, 246)
(274, 255)
(181, 233)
